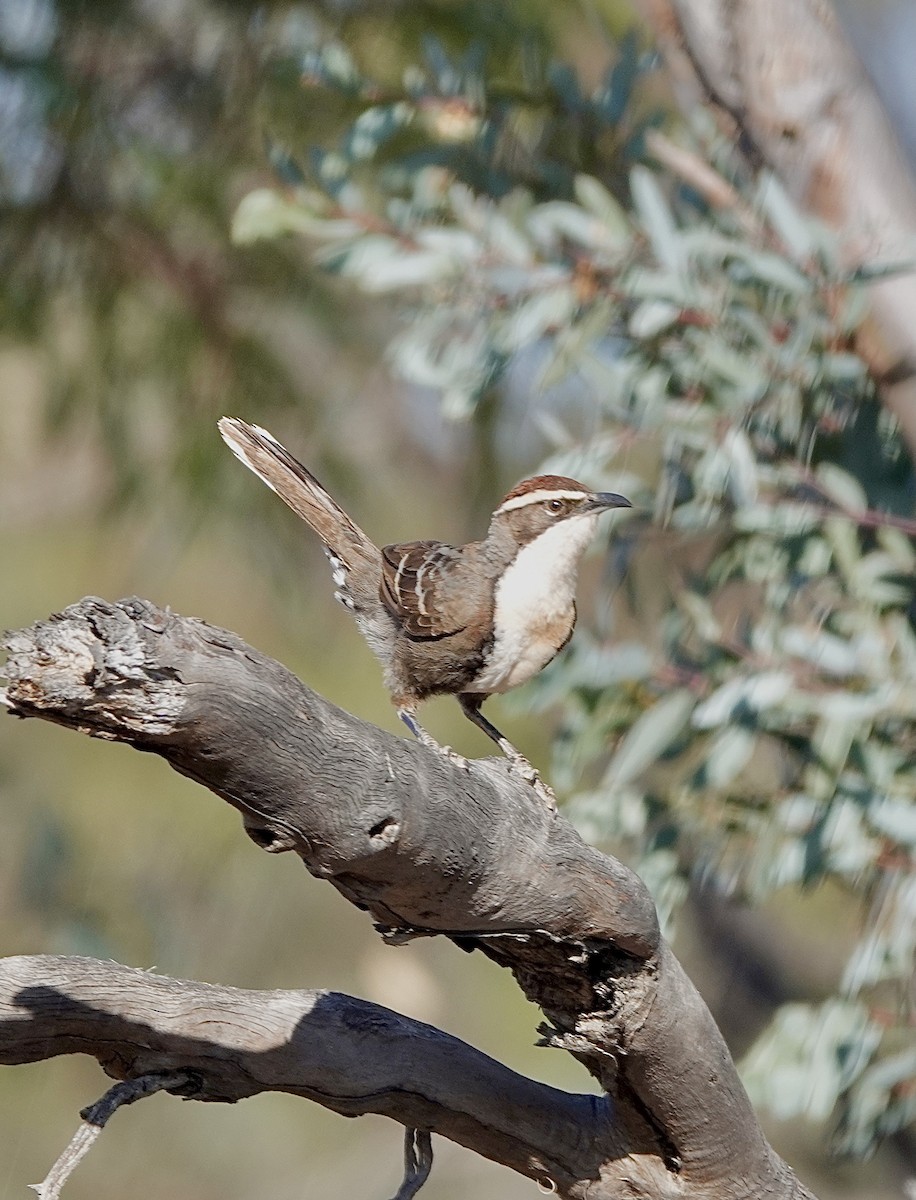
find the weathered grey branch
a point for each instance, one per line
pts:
(346, 1054)
(397, 830)
(784, 73)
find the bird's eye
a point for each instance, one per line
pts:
(554, 506)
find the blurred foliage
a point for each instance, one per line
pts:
(741, 718)
(115, 156)
(128, 132)
(745, 718)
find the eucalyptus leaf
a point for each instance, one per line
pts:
(844, 368)
(826, 651)
(842, 487)
(793, 227)
(743, 475)
(458, 244)
(551, 223)
(784, 520)
(660, 872)
(265, 214)
(595, 197)
(728, 754)
(535, 317)
(653, 317)
(807, 1056)
(753, 693)
(773, 271)
(657, 219)
(382, 271)
(511, 243)
(895, 818)
(649, 737)
(879, 1103)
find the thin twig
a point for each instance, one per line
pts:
(868, 518)
(418, 1162)
(696, 172)
(95, 1118)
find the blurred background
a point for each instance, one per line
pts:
(235, 207)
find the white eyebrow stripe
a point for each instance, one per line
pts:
(539, 497)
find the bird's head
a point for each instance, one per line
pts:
(544, 502)
(556, 514)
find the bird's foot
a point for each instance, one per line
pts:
(426, 739)
(523, 768)
(545, 792)
(456, 759)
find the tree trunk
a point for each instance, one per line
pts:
(784, 74)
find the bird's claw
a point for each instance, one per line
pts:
(532, 777)
(456, 759)
(545, 792)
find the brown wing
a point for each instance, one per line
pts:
(422, 588)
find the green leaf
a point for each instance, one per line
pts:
(773, 271)
(879, 1103)
(894, 818)
(869, 272)
(557, 220)
(652, 317)
(754, 693)
(656, 219)
(265, 214)
(661, 873)
(649, 737)
(728, 754)
(886, 951)
(807, 1056)
(375, 126)
(793, 227)
(842, 487)
(595, 197)
(535, 317)
(786, 520)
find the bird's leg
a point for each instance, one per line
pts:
(408, 716)
(470, 705)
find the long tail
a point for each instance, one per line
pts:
(294, 483)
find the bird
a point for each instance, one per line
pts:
(466, 621)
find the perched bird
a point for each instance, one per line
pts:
(464, 621)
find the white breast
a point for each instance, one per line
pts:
(534, 608)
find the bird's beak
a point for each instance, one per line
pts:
(601, 500)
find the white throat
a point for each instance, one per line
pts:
(534, 606)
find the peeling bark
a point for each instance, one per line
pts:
(396, 829)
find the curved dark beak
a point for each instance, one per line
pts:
(607, 500)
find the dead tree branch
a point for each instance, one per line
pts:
(396, 829)
(346, 1054)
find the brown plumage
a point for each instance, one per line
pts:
(462, 620)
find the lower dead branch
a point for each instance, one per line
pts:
(221, 1045)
